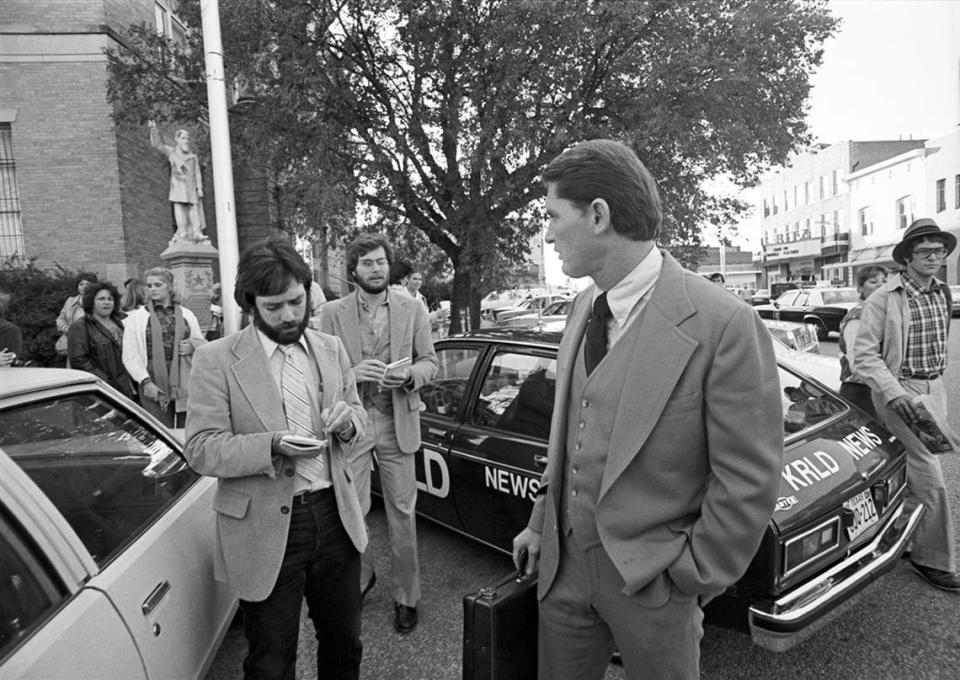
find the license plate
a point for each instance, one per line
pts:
(864, 513)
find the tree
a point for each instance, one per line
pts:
(440, 114)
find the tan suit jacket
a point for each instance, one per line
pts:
(409, 337)
(694, 461)
(233, 410)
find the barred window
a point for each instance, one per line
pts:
(11, 228)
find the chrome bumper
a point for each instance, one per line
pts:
(786, 622)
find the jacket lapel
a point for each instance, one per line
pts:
(398, 325)
(656, 360)
(349, 327)
(252, 374)
(326, 361)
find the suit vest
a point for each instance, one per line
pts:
(592, 406)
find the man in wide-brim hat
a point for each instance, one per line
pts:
(901, 352)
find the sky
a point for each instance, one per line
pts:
(892, 71)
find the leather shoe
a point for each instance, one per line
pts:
(370, 584)
(944, 580)
(405, 618)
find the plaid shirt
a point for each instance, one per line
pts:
(375, 344)
(925, 355)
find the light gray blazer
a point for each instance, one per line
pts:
(409, 337)
(233, 409)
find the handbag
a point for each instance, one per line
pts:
(500, 630)
(61, 345)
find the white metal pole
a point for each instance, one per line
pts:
(222, 163)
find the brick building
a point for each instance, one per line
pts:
(77, 190)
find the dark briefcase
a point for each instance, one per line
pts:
(500, 630)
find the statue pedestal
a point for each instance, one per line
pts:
(192, 266)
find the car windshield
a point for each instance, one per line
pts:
(832, 297)
(805, 404)
(107, 473)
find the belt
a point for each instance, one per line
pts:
(311, 497)
(931, 376)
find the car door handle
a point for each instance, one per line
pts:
(153, 599)
(540, 461)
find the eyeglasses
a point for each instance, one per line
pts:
(927, 253)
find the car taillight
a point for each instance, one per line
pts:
(800, 550)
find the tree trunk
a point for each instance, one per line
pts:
(465, 303)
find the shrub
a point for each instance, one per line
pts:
(37, 296)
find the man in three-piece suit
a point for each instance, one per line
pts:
(378, 327)
(666, 441)
(289, 523)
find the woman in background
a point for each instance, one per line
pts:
(95, 340)
(134, 295)
(71, 311)
(852, 388)
(158, 343)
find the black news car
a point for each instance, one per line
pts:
(838, 525)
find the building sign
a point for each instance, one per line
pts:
(804, 248)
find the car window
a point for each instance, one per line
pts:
(832, 297)
(27, 593)
(805, 405)
(105, 471)
(444, 396)
(558, 307)
(787, 298)
(517, 393)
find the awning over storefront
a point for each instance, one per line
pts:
(865, 256)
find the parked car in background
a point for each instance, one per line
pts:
(822, 307)
(838, 525)
(107, 537)
(760, 297)
(799, 336)
(501, 298)
(955, 294)
(531, 305)
(554, 312)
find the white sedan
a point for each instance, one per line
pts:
(106, 538)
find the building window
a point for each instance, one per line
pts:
(796, 195)
(766, 208)
(806, 228)
(833, 182)
(865, 220)
(786, 201)
(956, 191)
(823, 187)
(941, 195)
(823, 226)
(806, 193)
(906, 207)
(836, 222)
(11, 228)
(168, 24)
(773, 205)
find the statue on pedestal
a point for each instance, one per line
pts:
(186, 189)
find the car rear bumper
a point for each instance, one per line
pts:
(787, 621)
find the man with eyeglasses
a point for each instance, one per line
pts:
(901, 352)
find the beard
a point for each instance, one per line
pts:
(372, 287)
(285, 333)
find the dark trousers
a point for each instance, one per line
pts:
(321, 564)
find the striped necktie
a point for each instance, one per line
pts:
(296, 405)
